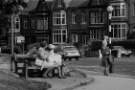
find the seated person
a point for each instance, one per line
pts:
(53, 60)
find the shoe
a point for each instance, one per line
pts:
(106, 73)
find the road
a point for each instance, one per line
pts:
(122, 66)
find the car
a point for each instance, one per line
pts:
(70, 52)
(121, 51)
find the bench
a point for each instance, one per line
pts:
(26, 63)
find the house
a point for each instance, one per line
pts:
(120, 19)
(35, 22)
(98, 19)
(78, 21)
(57, 21)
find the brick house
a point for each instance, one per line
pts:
(35, 22)
(78, 18)
(98, 20)
(78, 21)
(120, 22)
(59, 22)
(131, 15)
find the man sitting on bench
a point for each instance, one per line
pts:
(51, 60)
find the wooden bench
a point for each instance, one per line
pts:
(26, 63)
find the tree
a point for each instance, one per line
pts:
(7, 8)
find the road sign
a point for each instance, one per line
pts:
(20, 39)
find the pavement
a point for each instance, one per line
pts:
(92, 81)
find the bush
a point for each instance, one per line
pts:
(95, 45)
(128, 44)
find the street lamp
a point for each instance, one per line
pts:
(109, 10)
(17, 7)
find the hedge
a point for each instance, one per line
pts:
(128, 44)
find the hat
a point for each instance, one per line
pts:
(51, 46)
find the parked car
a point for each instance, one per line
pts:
(70, 52)
(121, 51)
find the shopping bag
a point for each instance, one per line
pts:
(38, 62)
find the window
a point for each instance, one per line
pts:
(59, 18)
(73, 18)
(59, 3)
(59, 36)
(97, 2)
(84, 39)
(74, 37)
(25, 23)
(133, 9)
(33, 24)
(42, 24)
(96, 34)
(120, 10)
(83, 19)
(119, 30)
(97, 17)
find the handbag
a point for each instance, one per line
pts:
(38, 62)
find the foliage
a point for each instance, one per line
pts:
(12, 6)
(128, 44)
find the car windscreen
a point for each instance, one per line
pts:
(70, 48)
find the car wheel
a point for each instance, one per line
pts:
(128, 55)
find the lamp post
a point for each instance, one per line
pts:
(109, 10)
(17, 8)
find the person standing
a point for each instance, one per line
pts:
(106, 57)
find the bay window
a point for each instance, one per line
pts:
(42, 24)
(59, 35)
(119, 30)
(97, 17)
(59, 18)
(120, 10)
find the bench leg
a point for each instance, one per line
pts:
(61, 72)
(47, 71)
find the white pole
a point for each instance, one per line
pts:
(12, 34)
(12, 42)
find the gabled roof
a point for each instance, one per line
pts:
(58, 4)
(42, 7)
(32, 4)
